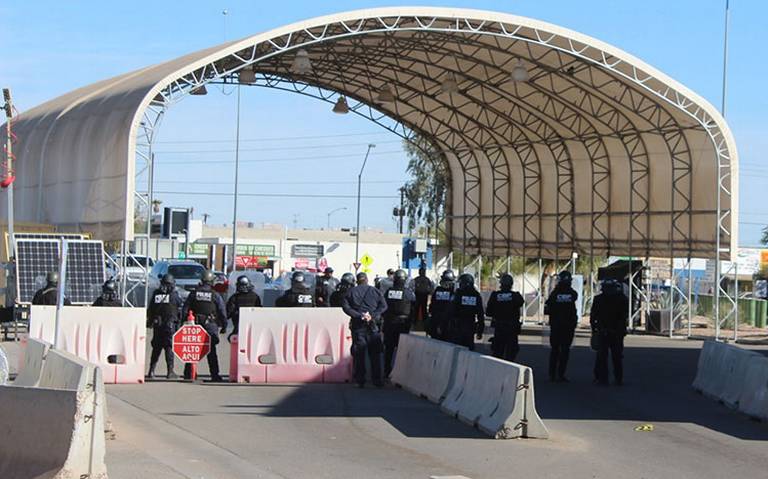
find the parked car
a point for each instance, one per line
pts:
(187, 274)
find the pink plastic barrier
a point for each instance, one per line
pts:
(112, 338)
(290, 345)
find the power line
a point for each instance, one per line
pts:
(160, 161)
(275, 148)
(281, 138)
(277, 195)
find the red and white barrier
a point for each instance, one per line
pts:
(292, 345)
(112, 338)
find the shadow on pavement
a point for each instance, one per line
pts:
(657, 388)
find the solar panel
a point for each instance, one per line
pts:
(85, 271)
(85, 268)
(34, 259)
(49, 236)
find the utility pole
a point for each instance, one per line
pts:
(402, 209)
(7, 181)
(725, 54)
(359, 187)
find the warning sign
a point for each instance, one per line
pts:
(366, 260)
(191, 343)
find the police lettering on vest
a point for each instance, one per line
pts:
(304, 298)
(395, 294)
(468, 300)
(443, 295)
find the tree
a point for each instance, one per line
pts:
(764, 237)
(425, 191)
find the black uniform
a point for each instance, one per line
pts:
(108, 301)
(504, 308)
(338, 296)
(366, 336)
(401, 307)
(210, 313)
(423, 287)
(48, 297)
(608, 319)
(440, 312)
(240, 300)
(326, 285)
(163, 317)
(468, 317)
(561, 308)
(299, 296)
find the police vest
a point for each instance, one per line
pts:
(467, 304)
(441, 300)
(246, 300)
(299, 298)
(398, 303)
(164, 307)
(506, 307)
(202, 303)
(562, 304)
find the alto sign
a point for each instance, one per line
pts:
(191, 343)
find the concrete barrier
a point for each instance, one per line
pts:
(496, 396)
(55, 429)
(112, 338)
(735, 369)
(425, 366)
(31, 362)
(754, 398)
(290, 345)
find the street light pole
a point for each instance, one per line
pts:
(359, 186)
(725, 55)
(332, 212)
(237, 171)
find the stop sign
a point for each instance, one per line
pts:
(191, 343)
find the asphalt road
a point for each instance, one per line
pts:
(175, 430)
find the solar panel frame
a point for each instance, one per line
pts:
(85, 268)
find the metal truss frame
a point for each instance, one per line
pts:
(507, 124)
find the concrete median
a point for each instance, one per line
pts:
(754, 398)
(57, 427)
(425, 366)
(31, 363)
(496, 396)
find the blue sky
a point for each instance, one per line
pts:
(51, 47)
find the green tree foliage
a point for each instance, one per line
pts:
(426, 189)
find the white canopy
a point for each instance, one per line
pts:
(585, 148)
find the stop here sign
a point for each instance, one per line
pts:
(191, 343)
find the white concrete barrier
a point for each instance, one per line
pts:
(31, 362)
(735, 369)
(293, 345)
(112, 338)
(754, 398)
(54, 430)
(425, 366)
(496, 396)
(707, 357)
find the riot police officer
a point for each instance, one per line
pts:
(608, 318)
(244, 297)
(163, 317)
(347, 282)
(423, 288)
(109, 296)
(401, 308)
(48, 296)
(440, 307)
(210, 313)
(504, 307)
(468, 316)
(561, 308)
(326, 285)
(298, 296)
(364, 305)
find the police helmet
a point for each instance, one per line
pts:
(348, 279)
(390, 272)
(167, 283)
(448, 276)
(243, 284)
(208, 277)
(564, 277)
(466, 281)
(610, 286)
(109, 287)
(52, 278)
(328, 270)
(506, 281)
(297, 277)
(400, 277)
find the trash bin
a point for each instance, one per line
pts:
(762, 310)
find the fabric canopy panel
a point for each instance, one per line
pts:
(555, 142)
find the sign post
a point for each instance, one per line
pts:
(191, 343)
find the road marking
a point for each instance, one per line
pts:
(644, 428)
(449, 477)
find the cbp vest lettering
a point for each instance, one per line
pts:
(304, 298)
(504, 297)
(468, 300)
(395, 294)
(564, 298)
(443, 296)
(163, 307)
